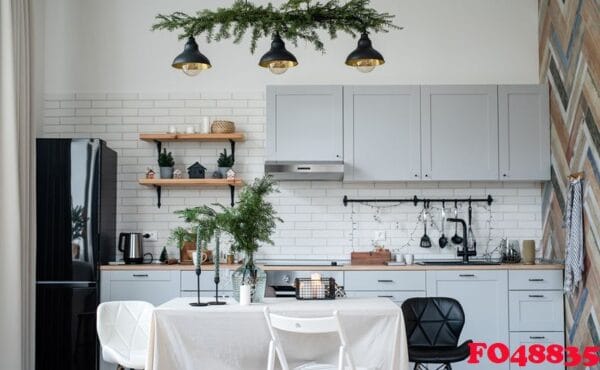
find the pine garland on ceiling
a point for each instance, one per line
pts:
(294, 20)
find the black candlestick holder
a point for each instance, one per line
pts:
(216, 302)
(198, 303)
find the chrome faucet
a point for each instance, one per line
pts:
(465, 252)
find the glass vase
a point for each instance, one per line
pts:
(249, 274)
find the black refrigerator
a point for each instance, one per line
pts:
(76, 226)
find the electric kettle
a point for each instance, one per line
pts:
(131, 246)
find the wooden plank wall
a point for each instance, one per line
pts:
(569, 51)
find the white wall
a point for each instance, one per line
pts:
(106, 45)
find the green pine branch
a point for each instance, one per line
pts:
(294, 20)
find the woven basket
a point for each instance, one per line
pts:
(222, 127)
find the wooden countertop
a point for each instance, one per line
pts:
(348, 267)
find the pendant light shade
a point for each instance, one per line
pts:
(364, 57)
(191, 61)
(278, 59)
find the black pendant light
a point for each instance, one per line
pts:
(364, 57)
(278, 59)
(191, 61)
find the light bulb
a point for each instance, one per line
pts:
(278, 67)
(365, 66)
(191, 69)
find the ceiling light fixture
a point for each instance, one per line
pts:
(278, 59)
(364, 58)
(191, 61)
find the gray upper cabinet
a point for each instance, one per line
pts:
(382, 133)
(459, 131)
(524, 132)
(304, 123)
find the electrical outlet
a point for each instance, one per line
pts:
(152, 236)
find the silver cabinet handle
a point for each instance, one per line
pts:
(385, 281)
(534, 337)
(536, 296)
(385, 296)
(536, 279)
(466, 275)
(140, 275)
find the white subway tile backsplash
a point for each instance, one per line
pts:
(316, 223)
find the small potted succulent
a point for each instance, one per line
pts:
(166, 163)
(224, 163)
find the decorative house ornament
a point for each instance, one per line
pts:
(177, 174)
(150, 174)
(196, 171)
(217, 175)
(230, 174)
(293, 20)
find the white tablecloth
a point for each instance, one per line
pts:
(236, 337)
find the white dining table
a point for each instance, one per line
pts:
(236, 337)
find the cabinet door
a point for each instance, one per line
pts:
(529, 338)
(304, 123)
(155, 287)
(483, 295)
(536, 310)
(459, 126)
(382, 133)
(524, 132)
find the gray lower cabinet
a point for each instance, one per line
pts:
(459, 131)
(382, 133)
(529, 338)
(524, 128)
(189, 284)
(395, 285)
(155, 287)
(483, 295)
(304, 123)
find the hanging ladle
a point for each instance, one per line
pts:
(425, 241)
(443, 241)
(456, 239)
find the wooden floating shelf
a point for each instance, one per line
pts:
(158, 137)
(190, 182)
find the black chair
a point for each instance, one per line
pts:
(433, 326)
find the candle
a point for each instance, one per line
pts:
(245, 295)
(316, 287)
(198, 248)
(217, 256)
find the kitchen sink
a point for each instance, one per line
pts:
(456, 263)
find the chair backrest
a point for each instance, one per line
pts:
(433, 321)
(306, 325)
(124, 326)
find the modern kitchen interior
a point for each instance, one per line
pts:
(300, 184)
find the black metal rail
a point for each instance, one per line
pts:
(416, 200)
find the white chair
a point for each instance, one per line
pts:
(123, 328)
(319, 325)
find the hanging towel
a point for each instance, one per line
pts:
(574, 225)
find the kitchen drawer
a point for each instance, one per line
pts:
(536, 310)
(535, 280)
(529, 338)
(397, 297)
(384, 280)
(207, 280)
(140, 275)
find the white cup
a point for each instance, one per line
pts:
(399, 257)
(172, 130)
(189, 130)
(409, 258)
(245, 295)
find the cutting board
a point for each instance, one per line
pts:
(371, 258)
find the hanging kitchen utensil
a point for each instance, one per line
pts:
(472, 243)
(456, 239)
(425, 240)
(443, 241)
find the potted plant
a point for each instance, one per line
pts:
(224, 163)
(166, 163)
(251, 222)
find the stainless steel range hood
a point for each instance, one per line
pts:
(314, 170)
